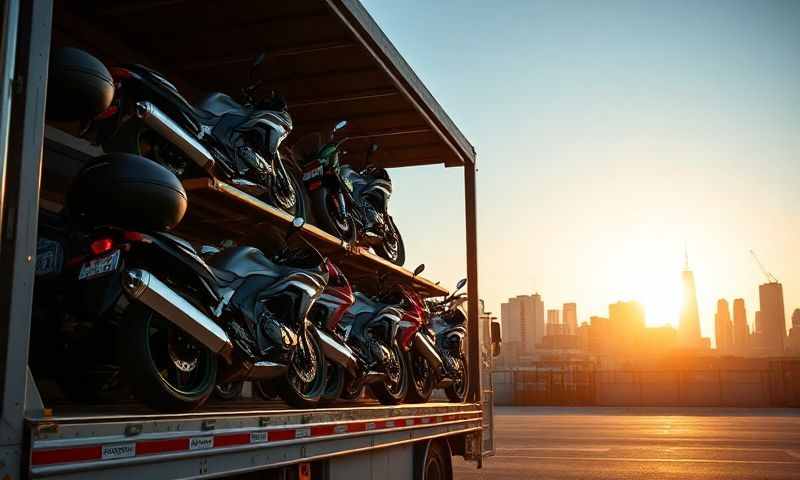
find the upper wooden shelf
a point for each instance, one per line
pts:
(220, 211)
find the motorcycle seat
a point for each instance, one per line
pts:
(244, 261)
(218, 104)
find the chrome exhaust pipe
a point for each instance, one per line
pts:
(423, 346)
(152, 292)
(167, 128)
(266, 370)
(338, 352)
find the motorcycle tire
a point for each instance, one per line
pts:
(396, 256)
(349, 393)
(229, 391)
(147, 348)
(394, 392)
(420, 374)
(265, 389)
(297, 186)
(321, 205)
(457, 392)
(295, 390)
(334, 384)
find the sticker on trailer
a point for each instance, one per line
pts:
(120, 450)
(201, 443)
(370, 425)
(258, 437)
(302, 433)
(340, 429)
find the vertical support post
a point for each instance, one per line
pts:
(473, 305)
(20, 205)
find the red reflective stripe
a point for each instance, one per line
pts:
(160, 446)
(356, 427)
(232, 439)
(278, 435)
(64, 455)
(322, 430)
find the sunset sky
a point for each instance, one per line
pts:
(608, 135)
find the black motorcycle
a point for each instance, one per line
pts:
(447, 325)
(351, 204)
(359, 339)
(183, 324)
(219, 137)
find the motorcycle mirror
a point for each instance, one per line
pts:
(373, 148)
(461, 284)
(420, 268)
(340, 125)
(298, 222)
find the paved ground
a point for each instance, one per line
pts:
(617, 443)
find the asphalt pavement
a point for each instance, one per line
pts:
(636, 443)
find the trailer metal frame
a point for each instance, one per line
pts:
(387, 101)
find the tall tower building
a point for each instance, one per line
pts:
(570, 316)
(553, 322)
(723, 328)
(773, 318)
(689, 327)
(538, 317)
(796, 318)
(741, 332)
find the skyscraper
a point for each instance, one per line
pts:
(796, 318)
(741, 332)
(570, 318)
(553, 323)
(522, 320)
(723, 329)
(773, 318)
(626, 321)
(689, 327)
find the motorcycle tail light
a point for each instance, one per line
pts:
(101, 245)
(120, 73)
(107, 113)
(133, 237)
(314, 185)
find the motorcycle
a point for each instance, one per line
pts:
(447, 323)
(184, 324)
(359, 338)
(351, 204)
(219, 137)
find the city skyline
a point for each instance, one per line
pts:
(596, 165)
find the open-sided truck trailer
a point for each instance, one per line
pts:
(331, 61)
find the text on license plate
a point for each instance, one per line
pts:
(99, 266)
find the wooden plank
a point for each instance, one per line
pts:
(209, 196)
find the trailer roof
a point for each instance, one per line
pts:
(328, 58)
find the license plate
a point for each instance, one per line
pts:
(312, 174)
(49, 257)
(99, 266)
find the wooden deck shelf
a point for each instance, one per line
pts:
(218, 211)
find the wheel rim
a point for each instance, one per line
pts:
(434, 469)
(341, 223)
(183, 364)
(422, 374)
(394, 372)
(304, 377)
(391, 245)
(461, 383)
(285, 194)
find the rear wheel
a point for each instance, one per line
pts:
(229, 391)
(303, 384)
(329, 216)
(392, 247)
(393, 390)
(433, 460)
(168, 369)
(334, 384)
(420, 375)
(457, 391)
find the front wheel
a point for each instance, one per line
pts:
(457, 391)
(167, 368)
(393, 391)
(392, 247)
(420, 375)
(229, 391)
(304, 383)
(327, 213)
(287, 192)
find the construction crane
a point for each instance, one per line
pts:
(770, 277)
